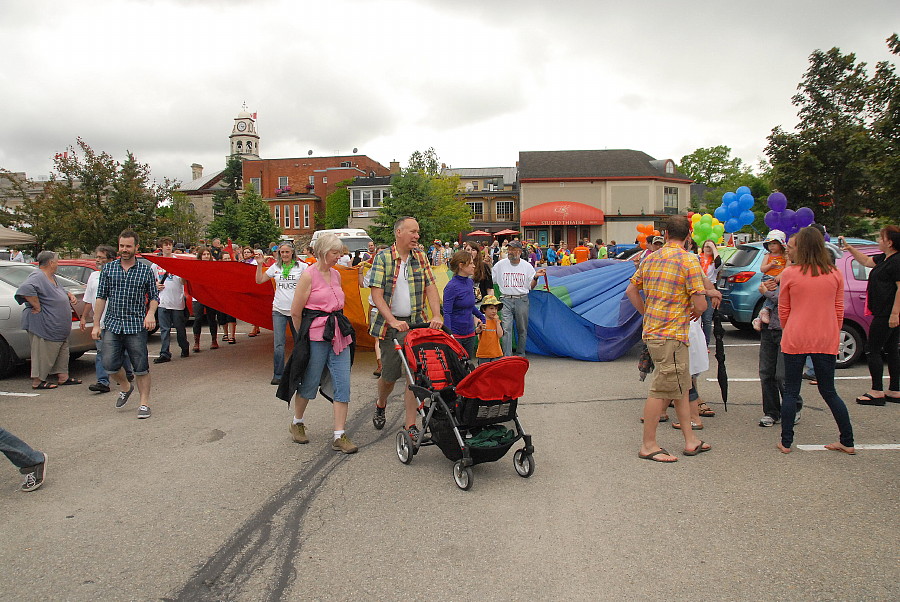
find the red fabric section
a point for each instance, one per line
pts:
(562, 213)
(227, 286)
(418, 336)
(501, 379)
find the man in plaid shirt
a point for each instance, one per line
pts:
(401, 280)
(127, 289)
(674, 294)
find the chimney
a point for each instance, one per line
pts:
(395, 167)
(196, 171)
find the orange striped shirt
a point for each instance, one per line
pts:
(668, 277)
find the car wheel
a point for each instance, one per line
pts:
(7, 359)
(852, 346)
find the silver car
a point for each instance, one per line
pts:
(15, 346)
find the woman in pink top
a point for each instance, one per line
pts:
(323, 329)
(811, 308)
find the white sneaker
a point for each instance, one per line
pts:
(767, 421)
(797, 417)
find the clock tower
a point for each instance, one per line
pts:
(244, 139)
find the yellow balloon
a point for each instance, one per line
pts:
(695, 218)
(715, 222)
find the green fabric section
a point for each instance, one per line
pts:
(491, 436)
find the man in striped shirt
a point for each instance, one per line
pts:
(674, 294)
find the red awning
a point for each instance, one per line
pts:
(562, 213)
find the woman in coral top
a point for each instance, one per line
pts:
(811, 308)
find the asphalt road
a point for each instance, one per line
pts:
(210, 500)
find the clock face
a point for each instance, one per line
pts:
(241, 126)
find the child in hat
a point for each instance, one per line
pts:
(490, 332)
(773, 264)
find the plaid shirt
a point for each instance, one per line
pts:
(128, 295)
(668, 277)
(385, 269)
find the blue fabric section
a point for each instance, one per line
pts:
(601, 325)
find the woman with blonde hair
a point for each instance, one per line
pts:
(323, 342)
(811, 308)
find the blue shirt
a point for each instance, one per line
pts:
(459, 306)
(128, 295)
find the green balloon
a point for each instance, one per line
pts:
(706, 219)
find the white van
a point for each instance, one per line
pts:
(354, 238)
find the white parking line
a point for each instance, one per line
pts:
(756, 380)
(893, 446)
(18, 394)
(736, 345)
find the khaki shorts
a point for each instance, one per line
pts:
(391, 365)
(672, 374)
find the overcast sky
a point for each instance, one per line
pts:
(479, 80)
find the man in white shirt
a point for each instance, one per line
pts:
(16, 255)
(171, 307)
(515, 278)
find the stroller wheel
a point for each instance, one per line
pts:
(524, 463)
(404, 447)
(462, 475)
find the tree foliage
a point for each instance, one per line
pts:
(842, 158)
(432, 199)
(337, 207)
(179, 220)
(90, 198)
(427, 162)
(257, 225)
(711, 166)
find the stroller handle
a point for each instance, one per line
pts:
(428, 325)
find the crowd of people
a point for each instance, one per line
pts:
(672, 287)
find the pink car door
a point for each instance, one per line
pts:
(856, 279)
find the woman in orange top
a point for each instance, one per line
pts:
(811, 308)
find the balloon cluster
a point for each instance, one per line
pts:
(788, 221)
(706, 227)
(645, 230)
(735, 210)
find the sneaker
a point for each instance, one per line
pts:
(797, 416)
(123, 397)
(99, 388)
(344, 444)
(767, 421)
(34, 476)
(275, 381)
(143, 412)
(378, 420)
(185, 353)
(162, 359)
(413, 431)
(298, 433)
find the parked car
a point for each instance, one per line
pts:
(739, 281)
(15, 346)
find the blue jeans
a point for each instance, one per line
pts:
(321, 355)
(167, 319)
(103, 375)
(280, 322)
(706, 322)
(515, 310)
(793, 378)
(116, 347)
(18, 452)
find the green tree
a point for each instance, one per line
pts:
(337, 207)
(90, 198)
(257, 224)
(711, 166)
(179, 220)
(425, 161)
(841, 160)
(432, 199)
(232, 178)
(227, 222)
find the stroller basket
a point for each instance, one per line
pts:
(442, 434)
(481, 412)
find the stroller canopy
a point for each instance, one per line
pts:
(501, 379)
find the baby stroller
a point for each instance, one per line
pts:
(462, 411)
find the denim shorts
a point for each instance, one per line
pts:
(321, 354)
(115, 345)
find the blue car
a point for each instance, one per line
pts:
(739, 280)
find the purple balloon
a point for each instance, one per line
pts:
(777, 201)
(804, 217)
(772, 220)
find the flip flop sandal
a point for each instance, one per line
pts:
(706, 411)
(697, 450)
(71, 381)
(652, 457)
(44, 385)
(694, 426)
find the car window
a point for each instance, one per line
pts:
(15, 275)
(74, 272)
(743, 257)
(860, 272)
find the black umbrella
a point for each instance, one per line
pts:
(722, 374)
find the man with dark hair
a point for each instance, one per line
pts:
(401, 281)
(672, 282)
(171, 307)
(128, 289)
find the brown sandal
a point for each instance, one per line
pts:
(705, 410)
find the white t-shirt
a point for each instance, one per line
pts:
(401, 306)
(172, 296)
(346, 261)
(513, 279)
(90, 293)
(285, 287)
